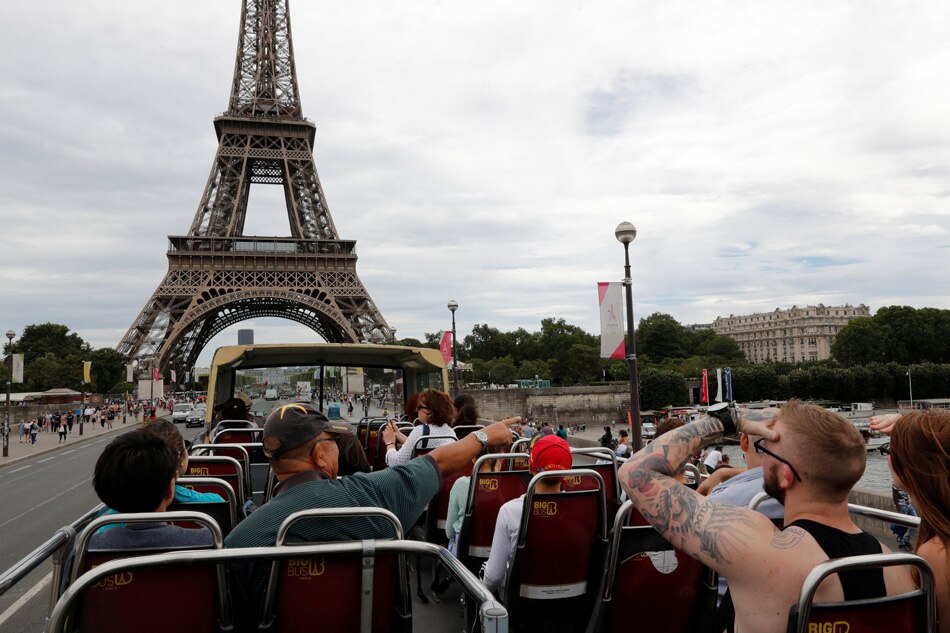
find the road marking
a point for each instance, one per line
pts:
(21, 468)
(68, 452)
(29, 595)
(43, 503)
(46, 460)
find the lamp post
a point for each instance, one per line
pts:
(453, 306)
(6, 420)
(626, 233)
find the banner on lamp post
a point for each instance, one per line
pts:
(129, 370)
(155, 375)
(728, 372)
(718, 384)
(445, 346)
(87, 371)
(17, 368)
(611, 319)
(174, 376)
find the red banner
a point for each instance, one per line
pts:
(155, 375)
(705, 397)
(445, 346)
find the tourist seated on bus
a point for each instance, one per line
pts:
(136, 473)
(301, 446)
(919, 458)
(437, 416)
(169, 433)
(548, 453)
(236, 408)
(811, 458)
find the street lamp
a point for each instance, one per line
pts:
(626, 233)
(6, 420)
(453, 306)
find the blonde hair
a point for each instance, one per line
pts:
(829, 452)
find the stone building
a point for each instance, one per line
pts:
(793, 335)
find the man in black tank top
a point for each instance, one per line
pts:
(811, 458)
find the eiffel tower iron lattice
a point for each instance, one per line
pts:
(217, 276)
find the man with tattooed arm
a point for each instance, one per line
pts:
(811, 458)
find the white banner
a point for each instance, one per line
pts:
(611, 319)
(18, 368)
(174, 376)
(718, 385)
(128, 372)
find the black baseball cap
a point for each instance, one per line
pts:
(293, 425)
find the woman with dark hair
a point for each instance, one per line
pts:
(466, 411)
(437, 415)
(919, 458)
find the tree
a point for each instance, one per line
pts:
(49, 338)
(108, 369)
(662, 337)
(660, 387)
(861, 341)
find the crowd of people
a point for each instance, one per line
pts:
(806, 458)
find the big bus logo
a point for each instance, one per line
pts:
(116, 581)
(488, 484)
(305, 567)
(200, 472)
(544, 508)
(573, 480)
(828, 627)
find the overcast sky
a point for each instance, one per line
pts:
(769, 153)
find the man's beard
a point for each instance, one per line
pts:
(771, 487)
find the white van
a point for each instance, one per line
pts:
(271, 394)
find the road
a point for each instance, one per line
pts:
(39, 495)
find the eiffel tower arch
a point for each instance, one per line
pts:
(217, 276)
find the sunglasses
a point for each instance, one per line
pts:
(885, 449)
(761, 449)
(422, 407)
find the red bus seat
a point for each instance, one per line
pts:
(912, 612)
(554, 573)
(486, 494)
(668, 589)
(224, 513)
(238, 436)
(239, 452)
(367, 583)
(607, 472)
(226, 468)
(438, 509)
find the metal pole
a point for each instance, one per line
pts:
(635, 431)
(6, 419)
(455, 360)
(910, 385)
(82, 414)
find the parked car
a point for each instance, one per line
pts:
(195, 417)
(180, 411)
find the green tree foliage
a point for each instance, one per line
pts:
(899, 334)
(662, 337)
(53, 358)
(660, 387)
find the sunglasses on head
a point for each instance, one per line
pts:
(885, 449)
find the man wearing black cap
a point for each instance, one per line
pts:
(301, 445)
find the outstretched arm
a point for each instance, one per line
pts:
(719, 535)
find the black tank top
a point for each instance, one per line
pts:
(857, 585)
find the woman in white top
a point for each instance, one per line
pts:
(436, 417)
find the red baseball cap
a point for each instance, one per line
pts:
(550, 453)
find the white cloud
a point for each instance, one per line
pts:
(769, 153)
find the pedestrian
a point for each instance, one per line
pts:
(21, 433)
(623, 448)
(561, 432)
(607, 440)
(34, 429)
(62, 428)
(69, 420)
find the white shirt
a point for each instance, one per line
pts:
(438, 435)
(713, 458)
(503, 545)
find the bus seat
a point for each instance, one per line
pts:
(224, 513)
(438, 510)
(360, 583)
(239, 452)
(608, 472)
(238, 436)
(487, 493)
(553, 576)
(912, 612)
(644, 570)
(226, 468)
(464, 429)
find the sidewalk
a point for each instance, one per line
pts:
(47, 442)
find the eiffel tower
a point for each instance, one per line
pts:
(217, 276)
